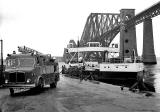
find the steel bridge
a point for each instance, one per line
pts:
(103, 27)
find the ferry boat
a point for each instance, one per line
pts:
(111, 68)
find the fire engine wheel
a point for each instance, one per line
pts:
(11, 91)
(40, 83)
(53, 85)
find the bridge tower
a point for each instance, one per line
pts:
(128, 43)
(148, 43)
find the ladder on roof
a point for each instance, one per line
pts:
(24, 50)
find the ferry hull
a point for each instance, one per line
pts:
(101, 75)
(117, 78)
(117, 75)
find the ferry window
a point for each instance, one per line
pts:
(93, 44)
(70, 45)
(44, 60)
(55, 68)
(126, 30)
(116, 45)
(37, 60)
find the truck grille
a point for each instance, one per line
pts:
(17, 77)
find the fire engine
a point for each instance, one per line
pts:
(29, 69)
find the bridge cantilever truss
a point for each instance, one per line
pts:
(97, 24)
(103, 27)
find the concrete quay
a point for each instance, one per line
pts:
(71, 95)
(94, 97)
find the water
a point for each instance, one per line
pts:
(154, 76)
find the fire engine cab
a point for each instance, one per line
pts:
(29, 69)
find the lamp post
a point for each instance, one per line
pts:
(1, 77)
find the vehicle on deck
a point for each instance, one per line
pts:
(29, 69)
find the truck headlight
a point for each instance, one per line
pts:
(6, 81)
(28, 80)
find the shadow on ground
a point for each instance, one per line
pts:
(32, 91)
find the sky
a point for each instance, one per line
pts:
(48, 25)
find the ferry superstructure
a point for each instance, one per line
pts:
(112, 67)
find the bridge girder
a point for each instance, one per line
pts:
(98, 24)
(151, 12)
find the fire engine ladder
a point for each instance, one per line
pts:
(24, 50)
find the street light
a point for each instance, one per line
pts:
(1, 75)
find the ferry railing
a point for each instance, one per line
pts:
(124, 60)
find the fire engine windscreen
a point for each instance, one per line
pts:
(20, 62)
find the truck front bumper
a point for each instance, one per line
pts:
(19, 85)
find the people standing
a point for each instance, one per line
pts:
(81, 72)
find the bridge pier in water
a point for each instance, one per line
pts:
(148, 43)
